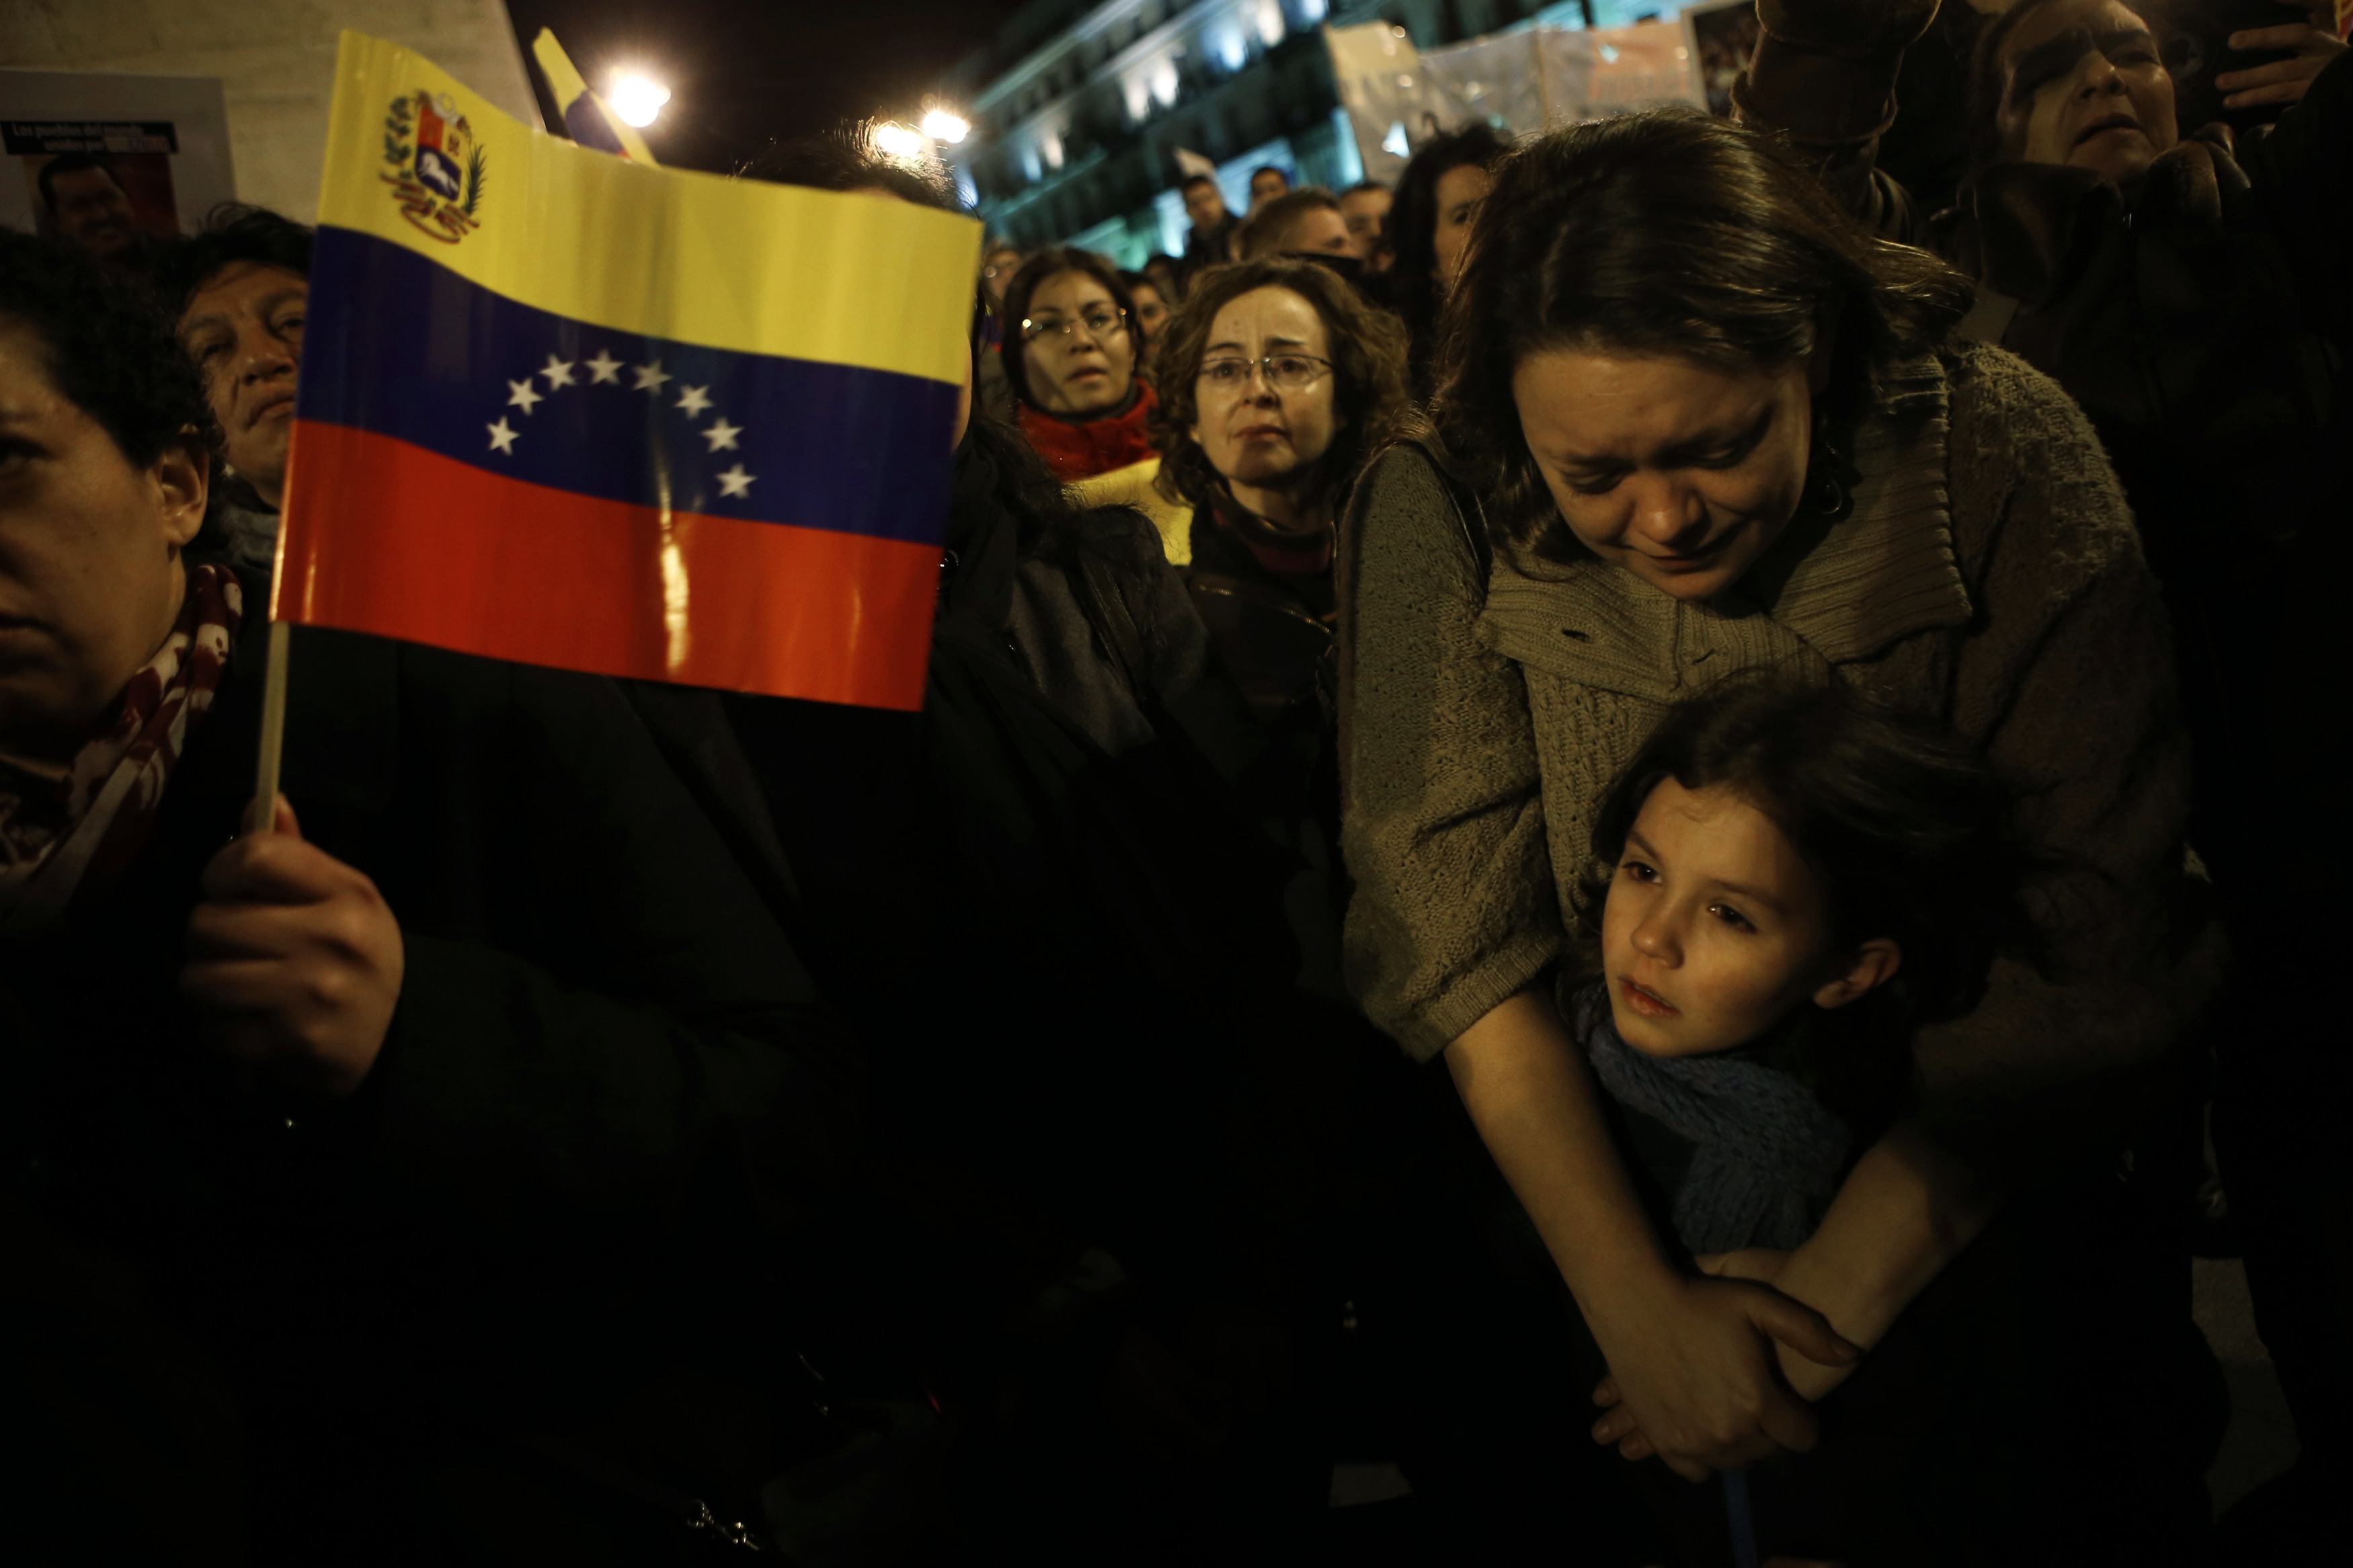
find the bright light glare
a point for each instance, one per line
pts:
(942, 126)
(900, 141)
(637, 99)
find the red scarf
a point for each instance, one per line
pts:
(62, 833)
(1285, 555)
(1081, 450)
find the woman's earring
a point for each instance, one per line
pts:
(1830, 483)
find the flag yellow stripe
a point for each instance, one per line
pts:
(737, 265)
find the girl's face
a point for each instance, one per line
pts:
(1680, 473)
(1714, 928)
(1459, 192)
(1256, 433)
(1076, 352)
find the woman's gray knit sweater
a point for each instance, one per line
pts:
(1988, 574)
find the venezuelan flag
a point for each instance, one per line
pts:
(567, 409)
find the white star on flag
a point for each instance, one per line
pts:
(694, 400)
(501, 438)
(522, 397)
(604, 367)
(558, 372)
(649, 377)
(736, 482)
(722, 434)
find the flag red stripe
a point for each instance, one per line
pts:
(385, 536)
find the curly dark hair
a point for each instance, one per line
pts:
(178, 269)
(1911, 831)
(1034, 275)
(1674, 233)
(1368, 357)
(106, 347)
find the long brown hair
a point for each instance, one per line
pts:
(1368, 351)
(1673, 233)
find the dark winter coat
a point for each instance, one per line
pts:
(508, 1300)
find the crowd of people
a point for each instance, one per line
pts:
(1786, 652)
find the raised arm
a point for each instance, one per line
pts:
(1824, 76)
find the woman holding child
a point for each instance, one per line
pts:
(1694, 427)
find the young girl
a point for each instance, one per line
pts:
(1786, 885)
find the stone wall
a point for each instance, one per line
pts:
(276, 59)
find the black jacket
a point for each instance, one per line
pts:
(455, 1306)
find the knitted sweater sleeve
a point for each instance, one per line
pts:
(2066, 678)
(1442, 827)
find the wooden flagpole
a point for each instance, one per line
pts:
(261, 816)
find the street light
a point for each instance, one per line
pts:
(941, 125)
(637, 100)
(901, 141)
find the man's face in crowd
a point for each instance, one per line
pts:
(93, 213)
(1205, 205)
(244, 329)
(1265, 185)
(2083, 85)
(1318, 231)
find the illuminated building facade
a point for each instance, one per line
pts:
(1080, 109)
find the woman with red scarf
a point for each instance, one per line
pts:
(1072, 350)
(382, 1187)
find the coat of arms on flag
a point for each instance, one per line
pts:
(438, 185)
(650, 423)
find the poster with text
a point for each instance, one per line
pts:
(109, 162)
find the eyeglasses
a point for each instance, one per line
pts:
(1284, 372)
(1101, 321)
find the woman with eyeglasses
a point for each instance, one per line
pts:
(1072, 347)
(1278, 380)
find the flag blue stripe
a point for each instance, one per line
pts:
(400, 346)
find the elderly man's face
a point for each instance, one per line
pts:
(244, 329)
(93, 213)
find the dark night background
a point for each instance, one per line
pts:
(742, 71)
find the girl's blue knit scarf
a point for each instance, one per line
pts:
(1769, 1152)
